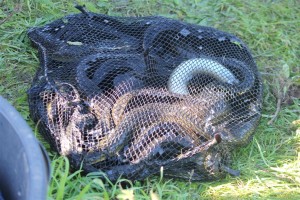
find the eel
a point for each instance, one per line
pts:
(75, 36)
(178, 81)
(100, 70)
(145, 146)
(188, 114)
(139, 98)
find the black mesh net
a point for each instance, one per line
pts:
(129, 95)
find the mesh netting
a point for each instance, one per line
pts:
(128, 95)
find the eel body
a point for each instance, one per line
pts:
(178, 81)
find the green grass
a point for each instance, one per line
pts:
(269, 165)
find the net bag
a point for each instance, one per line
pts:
(130, 95)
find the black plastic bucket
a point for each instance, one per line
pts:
(24, 163)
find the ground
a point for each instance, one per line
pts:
(269, 165)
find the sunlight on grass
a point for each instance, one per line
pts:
(269, 165)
